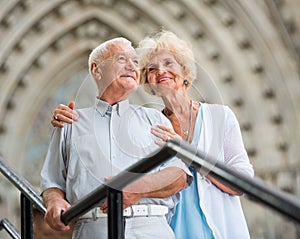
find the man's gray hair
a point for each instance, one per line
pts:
(102, 52)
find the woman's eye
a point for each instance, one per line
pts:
(151, 69)
(168, 63)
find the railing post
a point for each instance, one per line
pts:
(26, 218)
(115, 214)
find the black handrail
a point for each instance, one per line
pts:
(254, 188)
(118, 182)
(23, 185)
(11, 230)
(257, 190)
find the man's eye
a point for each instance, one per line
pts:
(121, 58)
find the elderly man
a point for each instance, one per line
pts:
(108, 138)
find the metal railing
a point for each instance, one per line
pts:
(29, 197)
(11, 230)
(255, 189)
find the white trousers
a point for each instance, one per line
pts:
(135, 228)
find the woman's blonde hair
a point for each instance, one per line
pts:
(166, 40)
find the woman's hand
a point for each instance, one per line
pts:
(64, 113)
(165, 133)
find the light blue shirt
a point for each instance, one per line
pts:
(103, 142)
(189, 221)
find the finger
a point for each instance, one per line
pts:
(55, 223)
(104, 208)
(107, 178)
(165, 128)
(67, 113)
(103, 205)
(60, 108)
(160, 134)
(169, 131)
(159, 143)
(63, 109)
(65, 118)
(157, 130)
(75, 114)
(56, 123)
(72, 104)
(61, 225)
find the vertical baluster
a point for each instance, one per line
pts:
(115, 214)
(26, 218)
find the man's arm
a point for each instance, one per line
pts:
(164, 183)
(55, 203)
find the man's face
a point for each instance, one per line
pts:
(120, 72)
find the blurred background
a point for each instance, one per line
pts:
(249, 49)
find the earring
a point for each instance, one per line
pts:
(153, 92)
(185, 82)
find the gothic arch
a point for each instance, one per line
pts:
(44, 46)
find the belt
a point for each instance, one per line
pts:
(145, 211)
(132, 211)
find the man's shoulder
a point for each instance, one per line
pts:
(146, 110)
(150, 114)
(84, 110)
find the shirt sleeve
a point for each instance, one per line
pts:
(54, 170)
(235, 154)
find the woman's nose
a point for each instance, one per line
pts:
(161, 69)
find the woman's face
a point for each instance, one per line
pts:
(164, 73)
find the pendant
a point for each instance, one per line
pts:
(185, 132)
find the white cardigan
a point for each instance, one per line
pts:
(221, 138)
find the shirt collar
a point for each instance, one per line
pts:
(102, 107)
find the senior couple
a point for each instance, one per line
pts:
(96, 143)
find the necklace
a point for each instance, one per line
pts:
(186, 132)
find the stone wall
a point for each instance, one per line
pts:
(248, 51)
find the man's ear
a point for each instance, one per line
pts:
(95, 71)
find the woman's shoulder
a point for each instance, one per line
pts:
(220, 111)
(219, 108)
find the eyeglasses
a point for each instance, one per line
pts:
(125, 58)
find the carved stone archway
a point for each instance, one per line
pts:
(243, 45)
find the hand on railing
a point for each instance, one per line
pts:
(56, 204)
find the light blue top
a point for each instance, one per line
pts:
(189, 221)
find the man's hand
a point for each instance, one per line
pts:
(56, 204)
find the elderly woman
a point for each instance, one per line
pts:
(207, 209)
